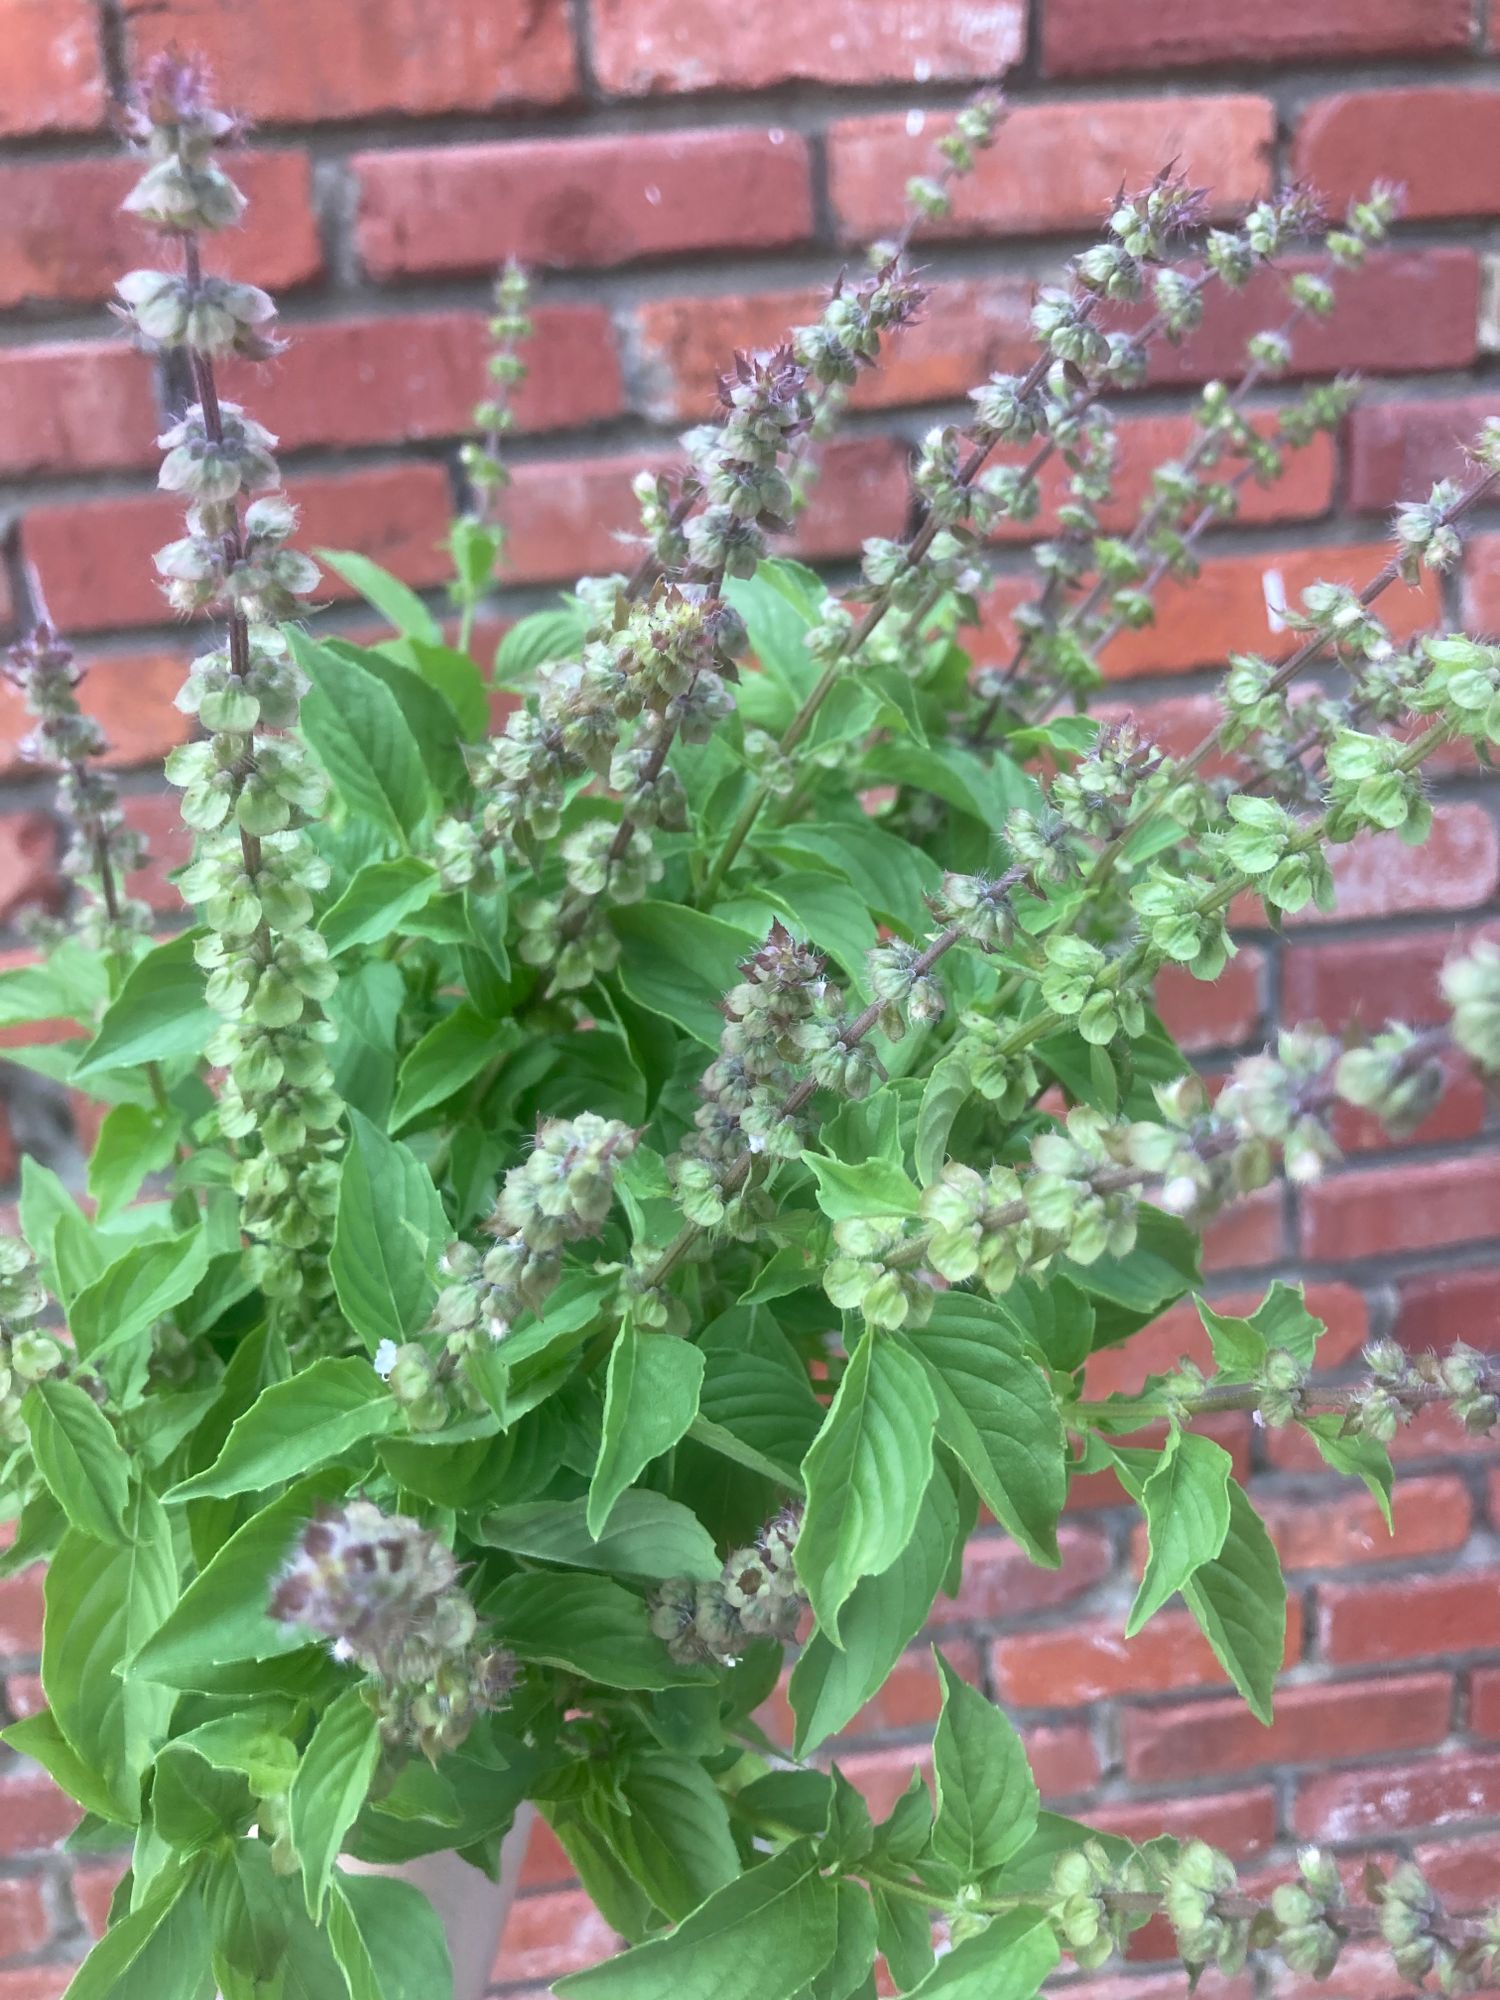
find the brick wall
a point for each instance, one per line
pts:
(685, 175)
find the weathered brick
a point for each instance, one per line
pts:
(1458, 1114)
(1482, 583)
(1397, 449)
(1313, 1725)
(1345, 1530)
(1224, 611)
(592, 201)
(96, 554)
(75, 406)
(284, 63)
(1440, 144)
(969, 329)
(33, 1812)
(21, 1614)
(157, 816)
(1179, 1335)
(1364, 1805)
(94, 1884)
(551, 1934)
(411, 376)
(1375, 1211)
(1376, 875)
(1000, 1581)
(129, 695)
(1216, 1014)
(1440, 1307)
(52, 79)
(1370, 980)
(1090, 1661)
(65, 237)
(1058, 166)
(1240, 1824)
(642, 46)
(1422, 1617)
(1248, 1233)
(29, 877)
(1094, 37)
(36, 1982)
(24, 1922)
(1064, 1760)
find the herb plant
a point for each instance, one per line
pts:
(590, 1208)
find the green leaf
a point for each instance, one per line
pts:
(648, 1536)
(70, 986)
(389, 595)
(1239, 1599)
(763, 1936)
(830, 1684)
(1008, 1961)
(675, 1839)
(448, 1056)
(455, 677)
(1358, 1456)
(1161, 1268)
(387, 1236)
(944, 1095)
(39, 1738)
(355, 728)
(195, 1802)
(890, 876)
(1280, 1320)
(873, 1187)
(134, 1140)
(988, 791)
(222, 1618)
(585, 1625)
(137, 1290)
(650, 1399)
(388, 1940)
(779, 604)
(866, 1475)
(998, 1416)
(158, 1013)
(381, 894)
(987, 1800)
(79, 1456)
(759, 1396)
(157, 1951)
(679, 963)
(556, 634)
(102, 1602)
(329, 1789)
(1186, 1505)
(295, 1426)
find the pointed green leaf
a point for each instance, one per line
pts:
(1239, 1599)
(449, 1055)
(390, 1229)
(295, 1426)
(79, 1456)
(987, 1800)
(329, 1789)
(389, 1940)
(388, 594)
(158, 1013)
(866, 1475)
(650, 1399)
(1186, 1505)
(586, 1625)
(648, 1535)
(680, 963)
(381, 894)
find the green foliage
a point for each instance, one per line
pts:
(591, 1208)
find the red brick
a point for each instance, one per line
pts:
(1482, 583)
(1376, 875)
(94, 1884)
(24, 1695)
(642, 46)
(1440, 1307)
(1179, 1335)
(28, 863)
(169, 845)
(36, 1982)
(1372, 327)
(1397, 450)
(1370, 980)
(546, 1862)
(96, 554)
(285, 64)
(33, 1812)
(593, 201)
(1363, 1805)
(549, 1935)
(1091, 1660)
(1441, 144)
(1058, 166)
(1419, 1618)
(130, 695)
(1346, 1529)
(21, 1613)
(1313, 1725)
(1241, 1824)
(1224, 610)
(52, 79)
(24, 1922)
(1376, 1211)
(419, 375)
(66, 238)
(1157, 1986)
(1462, 1871)
(1064, 1760)
(1484, 1702)
(970, 328)
(1000, 1582)
(1458, 1114)
(1213, 1014)
(75, 406)
(1099, 37)
(1249, 1233)
(909, 1700)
